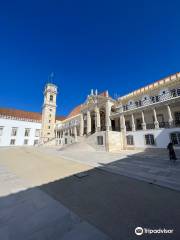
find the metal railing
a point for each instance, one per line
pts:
(164, 125)
(152, 100)
(150, 126)
(161, 125)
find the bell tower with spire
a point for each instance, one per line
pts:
(49, 112)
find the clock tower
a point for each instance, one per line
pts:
(49, 113)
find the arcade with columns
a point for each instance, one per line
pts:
(91, 117)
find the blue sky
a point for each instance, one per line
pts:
(114, 45)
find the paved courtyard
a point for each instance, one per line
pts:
(43, 196)
(152, 166)
(28, 213)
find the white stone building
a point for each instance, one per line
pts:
(19, 128)
(146, 118)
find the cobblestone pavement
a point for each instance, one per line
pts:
(151, 165)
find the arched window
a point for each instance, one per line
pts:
(130, 140)
(149, 139)
(51, 98)
(175, 138)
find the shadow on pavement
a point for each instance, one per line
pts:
(114, 204)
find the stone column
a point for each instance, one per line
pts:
(133, 123)
(63, 136)
(75, 133)
(108, 113)
(156, 123)
(98, 121)
(143, 121)
(81, 128)
(123, 131)
(122, 122)
(88, 123)
(170, 115)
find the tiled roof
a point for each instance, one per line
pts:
(60, 118)
(104, 94)
(75, 111)
(20, 114)
(24, 114)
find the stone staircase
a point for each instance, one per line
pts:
(51, 142)
(92, 141)
(85, 143)
(81, 145)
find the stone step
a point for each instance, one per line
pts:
(82, 146)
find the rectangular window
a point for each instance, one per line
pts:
(175, 138)
(149, 139)
(49, 127)
(177, 118)
(25, 141)
(130, 140)
(35, 142)
(100, 140)
(12, 142)
(178, 91)
(14, 131)
(173, 92)
(1, 131)
(27, 132)
(157, 98)
(37, 133)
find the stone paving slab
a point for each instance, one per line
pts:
(24, 216)
(28, 213)
(149, 166)
(9, 182)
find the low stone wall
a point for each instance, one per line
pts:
(114, 141)
(92, 140)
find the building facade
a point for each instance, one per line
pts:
(146, 118)
(18, 128)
